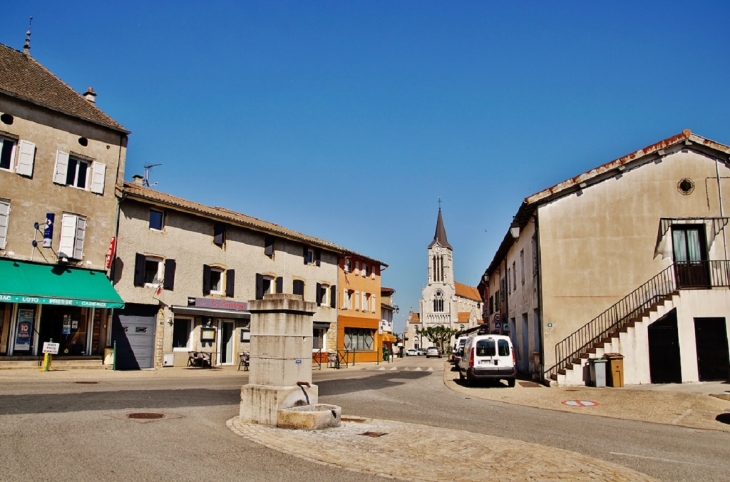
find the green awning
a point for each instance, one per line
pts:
(48, 284)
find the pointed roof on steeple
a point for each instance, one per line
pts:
(440, 236)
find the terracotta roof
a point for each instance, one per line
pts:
(414, 318)
(467, 291)
(464, 316)
(22, 77)
(140, 193)
(384, 290)
(593, 176)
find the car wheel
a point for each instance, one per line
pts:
(511, 382)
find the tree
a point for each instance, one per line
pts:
(439, 335)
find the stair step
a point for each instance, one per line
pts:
(560, 372)
(554, 376)
(592, 351)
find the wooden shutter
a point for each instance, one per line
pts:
(97, 177)
(25, 158)
(319, 294)
(298, 287)
(80, 235)
(269, 247)
(169, 282)
(306, 254)
(333, 296)
(219, 234)
(206, 280)
(259, 286)
(318, 255)
(61, 168)
(4, 215)
(280, 284)
(139, 262)
(230, 282)
(68, 236)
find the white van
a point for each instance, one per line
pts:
(488, 357)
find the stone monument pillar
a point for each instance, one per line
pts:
(280, 373)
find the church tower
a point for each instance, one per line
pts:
(438, 305)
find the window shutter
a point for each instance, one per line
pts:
(139, 260)
(269, 247)
(219, 234)
(319, 294)
(206, 280)
(357, 300)
(298, 287)
(372, 274)
(280, 284)
(374, 305)
(97, 178)
(357, 268)
(80, 234)
(59, 172)
(230, 282)
(4, 215)
(318, 255)
(333, 296)
(169, 283)
(68, 235)
(259, 286)
(306, 252)
(25, 158)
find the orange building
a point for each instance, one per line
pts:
(358, 319)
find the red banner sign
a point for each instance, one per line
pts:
(110, 252)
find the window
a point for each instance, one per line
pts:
(365, 302)
(348, 300)
(359, 339)
(503, 347)
(486, 347)
(311, 256)
(218, 281)
(269, 246)
(438, 301)
(76, 173)
(372, 304)
(322, 294)
(152, 271)
(4, 215)
(7, 149)
(357, 268)
(298, 288)
(514, 275)
(509, 285)
(366, 270)
(347, 266)
(358, 299)
(522, 264)
(318, 338)
(73, 232)
(181, 331)
(534, 256)
(265, 285)
(219, 234)
(157, 220)
(79, 171)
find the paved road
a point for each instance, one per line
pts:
(76, 431)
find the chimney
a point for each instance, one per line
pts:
(137, 180)
(90, 95)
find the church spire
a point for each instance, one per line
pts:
(440, 235)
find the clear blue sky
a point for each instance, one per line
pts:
(348, 120)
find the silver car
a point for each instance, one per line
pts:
(433, 351)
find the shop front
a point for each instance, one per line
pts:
(42, 303)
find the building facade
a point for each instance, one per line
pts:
(627, 258)
(60, 158)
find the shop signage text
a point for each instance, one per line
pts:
(58, 301)
(51, 348)
(220, 304)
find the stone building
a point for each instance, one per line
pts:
(60, 158)
(187, 272)
(631, 258)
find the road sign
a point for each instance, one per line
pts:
(51, 348)
(498, 325)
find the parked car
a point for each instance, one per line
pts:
(411, 352)
(420, 352)
(457, 349)
(488, 357)
(433, 351)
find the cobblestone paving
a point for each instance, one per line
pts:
(422, 453)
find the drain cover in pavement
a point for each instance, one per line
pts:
(87, 383)
(580, 403)
(374, 434)
(529, 384)
(146, 415)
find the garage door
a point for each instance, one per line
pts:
(134, 333)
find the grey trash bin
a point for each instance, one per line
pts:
(598, 372)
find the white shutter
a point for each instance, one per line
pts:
(59, 172)
(4, 214)
(97, 178)
(68, 236)
(80, 234)
(357, 268)
(25, 158)
(357, 300)
(374, 305)
(372, 273)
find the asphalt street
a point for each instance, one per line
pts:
(66, 430)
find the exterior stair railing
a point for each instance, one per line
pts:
(695, 275)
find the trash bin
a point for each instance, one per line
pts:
(615, 369)
(598, 372)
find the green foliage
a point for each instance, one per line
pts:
(439, 335)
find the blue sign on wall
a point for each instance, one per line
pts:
(48, 231)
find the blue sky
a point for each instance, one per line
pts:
(348, 120)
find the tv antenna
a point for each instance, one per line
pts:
(146, 179)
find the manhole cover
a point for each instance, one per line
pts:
(374, 434)
(145, 415)
(530, 384)
(87, 383)
(723, 418)
(580, 403)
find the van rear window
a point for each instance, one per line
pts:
(503, 348)
(485, 348)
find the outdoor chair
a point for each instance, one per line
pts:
(244, 358)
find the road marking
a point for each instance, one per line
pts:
(394, 368)
(580, 403)
(430, 369)
(381, 368)
(418, 369)
(660, 459)
(679, 419)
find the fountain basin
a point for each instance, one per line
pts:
(309, 417)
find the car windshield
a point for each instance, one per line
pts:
(486, 347)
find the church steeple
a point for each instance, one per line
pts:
(440, 235)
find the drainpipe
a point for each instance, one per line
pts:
(540, 309)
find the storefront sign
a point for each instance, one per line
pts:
(220, 304)
(48, 231)
(58, 301)
(110, 252)
(24, 333)
(51, 348)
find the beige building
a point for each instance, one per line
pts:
(60, 158)
(628, 258)
(187, 271)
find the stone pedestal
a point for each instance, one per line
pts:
(281, 358)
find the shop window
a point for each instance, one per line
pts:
(360, 339)
(157, 220)
(181, 331)
(73, 232)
